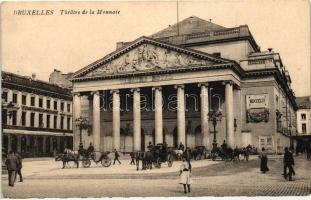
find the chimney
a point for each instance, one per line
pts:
(270, 50)
(120, 44)
(33, 76)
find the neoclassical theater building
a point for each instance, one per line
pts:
(162, 87)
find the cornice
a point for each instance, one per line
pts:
(232, 66)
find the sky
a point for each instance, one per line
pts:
(41, 43)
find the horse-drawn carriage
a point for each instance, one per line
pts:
(85, 157)
(229, 154)
(156, 155)
(96, 157)
(162, 155)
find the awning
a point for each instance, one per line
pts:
(38, 133)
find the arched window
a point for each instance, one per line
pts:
(216, 102)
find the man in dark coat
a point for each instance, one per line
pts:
(19, 167)
(181, 147)
(116, 157)
(288, 162)
(12, 164)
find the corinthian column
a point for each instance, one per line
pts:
(76, 115)
(204, 115)
(181, 125)
(136, 119)
(116, 119)
(158, 115)
(96, 120)
(229, 113)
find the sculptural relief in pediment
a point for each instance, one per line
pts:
(147, 57)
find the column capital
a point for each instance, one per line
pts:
(78, 94)
(236, 87)
(95, 92)
(227, 82)
(179, 86)
(203, 84)
(135, 90)
(114, 91)
(157, 88)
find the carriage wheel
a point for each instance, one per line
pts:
(106, 162)
(86, 163)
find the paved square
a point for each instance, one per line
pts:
(45, 178)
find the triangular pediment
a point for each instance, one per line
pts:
(145, 55)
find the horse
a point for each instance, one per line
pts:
(68, 156)
(147, 159)
(178, 153)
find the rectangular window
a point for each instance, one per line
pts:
(55, 122)
(4, 116)
(48, 117)
(62, 122)
(62, 106)
(48, 104)
(68, 107)
(32, 101)
(23, 118)
(14, 98)
(14, 118)
(5, 96)
(303, 116)
(41, 120)
(40, 102)
(32, 119)
(24, 99)
(55, 105)
(304, 128)
(68, 123)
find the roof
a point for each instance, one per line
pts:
(190, 25)
(304, 102)
(25, 83)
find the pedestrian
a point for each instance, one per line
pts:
(116, 157)
(132, 154)
(184, 175)
(181, 147)
(288, 162)
(11, 163)
(19, 167)
(263, 161)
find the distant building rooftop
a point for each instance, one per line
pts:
(190, 25)
(304, 102)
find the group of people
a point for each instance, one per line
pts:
(14, 166)
(288, 163)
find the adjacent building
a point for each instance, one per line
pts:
(162, 88)
(36, 116)
(303, 135)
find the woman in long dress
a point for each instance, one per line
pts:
(263, 161)
(184, 176)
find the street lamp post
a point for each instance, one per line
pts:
(82, 123)
(214, 117)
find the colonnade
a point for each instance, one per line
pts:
(181, 126)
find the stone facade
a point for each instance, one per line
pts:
(178, 80)
(36, 116)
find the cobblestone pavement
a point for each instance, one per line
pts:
(44, 178)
